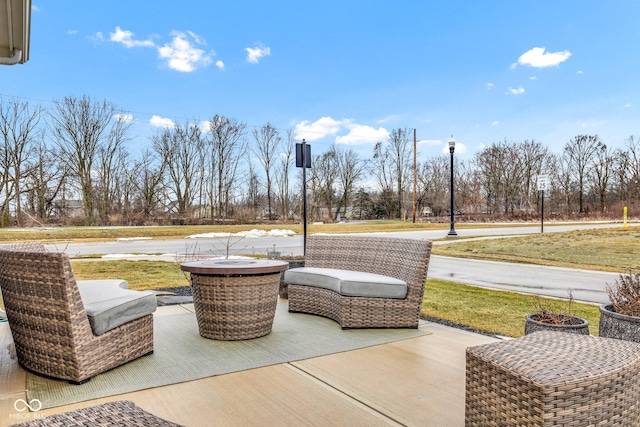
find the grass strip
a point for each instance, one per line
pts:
(141, 275)
(493, 311)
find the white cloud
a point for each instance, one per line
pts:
(72, 32)
(255, 53)
(389, 118)
(125, 38)
(533, 78)
(204, 126)
(319, 129)
(495, 123)
(220, 64)
(362, 134)
(538, 58)
(490, 85)
(123, 117)
(579, 72)
(162, 122)
(182, 55)
(627, 105)
(517, 91)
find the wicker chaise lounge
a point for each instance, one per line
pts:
(361, 281)
(51, 329)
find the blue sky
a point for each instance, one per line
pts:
(348, 71)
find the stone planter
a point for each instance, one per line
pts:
(573, 325)
(619, 326)
(293, 263)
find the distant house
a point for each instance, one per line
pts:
(345, 214)
(426, 211)
(68, 208)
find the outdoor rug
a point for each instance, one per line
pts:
(181, 354)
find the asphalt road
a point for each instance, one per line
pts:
(585, 285)
(588, 286)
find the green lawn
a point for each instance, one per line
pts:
(498, 312)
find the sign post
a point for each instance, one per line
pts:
(303, 160)
(543, 183)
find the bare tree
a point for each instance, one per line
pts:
(228, 147)
(434, 184)
(350, 169)
(325, 174)
(79, 127)
(267, 141)
(400, 155)
(253, 192)
(380, 166)
(489, 163)
(18, 125)
(580, 152)
(44, 181)
(534, 157)
(282, 175)
(633, 174)
(600, 174)
(178, 147)
(148, 178)
(112, 158)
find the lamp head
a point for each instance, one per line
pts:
(452, 145)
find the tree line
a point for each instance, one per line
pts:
(72, 164)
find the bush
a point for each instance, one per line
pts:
(624, 294)
(5, 220)
(555, 312)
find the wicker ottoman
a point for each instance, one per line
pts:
(553, 378)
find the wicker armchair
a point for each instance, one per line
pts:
(48, 321)
(404, 259)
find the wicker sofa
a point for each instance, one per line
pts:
(358, 281)
(66, 329)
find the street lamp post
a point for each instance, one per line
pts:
(452, 147)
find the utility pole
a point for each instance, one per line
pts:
(415, 176)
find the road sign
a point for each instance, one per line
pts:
(543, 182)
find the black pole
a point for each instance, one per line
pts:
(452, 231)
(304, 197)
(542, 214)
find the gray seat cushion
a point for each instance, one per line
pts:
(348, 282)
(109, 303)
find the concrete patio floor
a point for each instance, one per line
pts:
(415, 382)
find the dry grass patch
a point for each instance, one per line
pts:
(612, 250)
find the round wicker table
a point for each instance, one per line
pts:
(235, 299)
